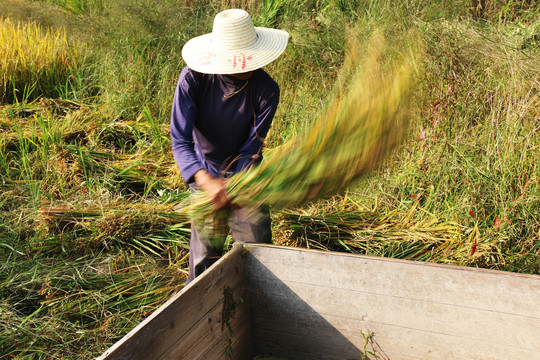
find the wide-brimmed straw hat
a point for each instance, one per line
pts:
(234, 46)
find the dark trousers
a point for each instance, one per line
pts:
(208, 235)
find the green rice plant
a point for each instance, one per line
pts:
(37, 152)
(35, 62)
(269, 12)
(160, 140)
(363, 124)
(81, 6)
(505, 11)
(472, 155)
(78, 307)
(138, 173)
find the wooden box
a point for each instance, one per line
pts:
(295, 303)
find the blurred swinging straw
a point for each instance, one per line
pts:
(363, 123)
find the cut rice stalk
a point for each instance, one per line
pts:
(362, 125)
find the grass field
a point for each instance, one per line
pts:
(89, 242)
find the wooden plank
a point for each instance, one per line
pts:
(157, 335)
(503, 291)
(241, 342)
(290, 345)
(310, 300)
(340, 336)
(211, 338)
(338, 304)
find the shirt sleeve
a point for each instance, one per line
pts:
(251, 151)
(183, 114)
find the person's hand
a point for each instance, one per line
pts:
(215, 188)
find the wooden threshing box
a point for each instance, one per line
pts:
(302, 304)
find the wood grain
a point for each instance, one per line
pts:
(189, 319)
(305, 304)
(319, 305)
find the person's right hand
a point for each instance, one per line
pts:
(215, 188)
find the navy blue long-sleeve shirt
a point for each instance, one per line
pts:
(219, 123)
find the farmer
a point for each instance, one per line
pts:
(222, 110)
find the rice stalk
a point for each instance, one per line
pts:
(393, 234)
(35, 62)
(150, 228)
(68, 307)
(63, 167)
(364, 122)
(80, 7)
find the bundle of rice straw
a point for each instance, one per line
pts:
(362, 125)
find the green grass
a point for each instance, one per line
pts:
(89, 243)
(81, 6)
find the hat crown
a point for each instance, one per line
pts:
(233, 30)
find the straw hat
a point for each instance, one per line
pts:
(234, 45)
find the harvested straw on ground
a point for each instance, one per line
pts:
(148, 227)
(345, 226)
(362, 125)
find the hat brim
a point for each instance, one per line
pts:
(201, 56)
